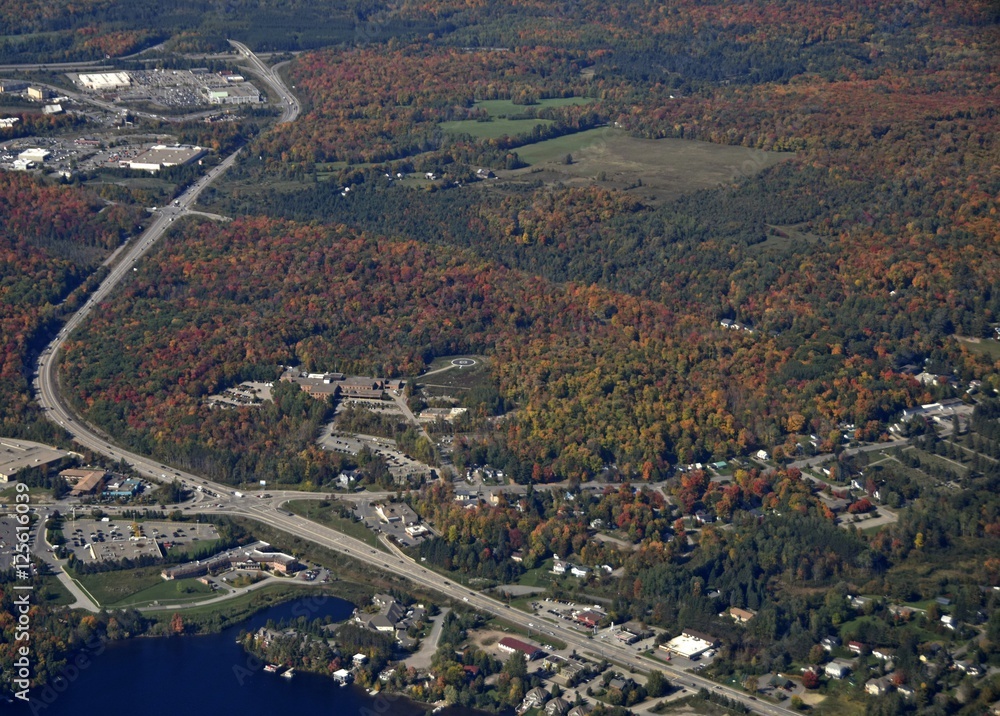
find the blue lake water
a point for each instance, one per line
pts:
(196, 675)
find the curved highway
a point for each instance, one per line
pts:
(269, 512)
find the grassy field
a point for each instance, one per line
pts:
(192, 547)
(557, 148)
(494, 128)
(313, 510)
(175, 591)
(652, 169)
(983, 346)
(114, 587)
(53, 593)
(454, 380)
(506, 108)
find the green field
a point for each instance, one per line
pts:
(192, 547)
(493, 129)
(506, 108)
(507, 118)
(982, 346)
(558, 147)
(312, 510)
(117, 586)
(175, 591)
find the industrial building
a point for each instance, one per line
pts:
(34, 155)
(12, 85)
(16, 455)
(233, 94)
(105, 81)
(156, 158)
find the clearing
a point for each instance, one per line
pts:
(656, 169)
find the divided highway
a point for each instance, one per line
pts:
(268, 511)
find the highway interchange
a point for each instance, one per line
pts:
(268, 511)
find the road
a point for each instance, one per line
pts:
(266, 511)
(290, 105)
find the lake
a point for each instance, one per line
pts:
(199, 674)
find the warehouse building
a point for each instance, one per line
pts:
(15, 455)
(242, 93)
(156, 158)
(105, 81)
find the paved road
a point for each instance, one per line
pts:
(290, 105)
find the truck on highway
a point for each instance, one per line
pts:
(237, 494)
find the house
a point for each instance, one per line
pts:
(471, 671)
(517, 557)
(830, 642)
(948, 620)
(967, 667)
(360, 659)
(761, 455)
(556, 707)
(534, 699)
(877, 687)
(347, 478)
(343, 676)
(509, 645)
(837, 669)
(559, 567)
(580, 710)
(703, 518)
(856, 647)
(882, 653)
(580, 572)
(726, 323)
(741, 615)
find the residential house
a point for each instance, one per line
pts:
(556, 707)
(837, 669)
(741, 615)
(559, 567)
(534, 699)
(877, 687)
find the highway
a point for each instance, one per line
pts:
(268, 511)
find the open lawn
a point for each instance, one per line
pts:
(506, 108)
(540, 576)
(653, 169)
(53, 593)
(313, 510)
(175, 591)
(191, 548)
(117, 586)
(444, 378)
(984, 346)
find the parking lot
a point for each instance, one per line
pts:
(8, 538)
(93, 540)
(400, 466)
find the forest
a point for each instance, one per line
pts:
(52, 240)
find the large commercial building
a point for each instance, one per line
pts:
(15, 455)
(156, 158)
(242, 93)
(105, 81)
